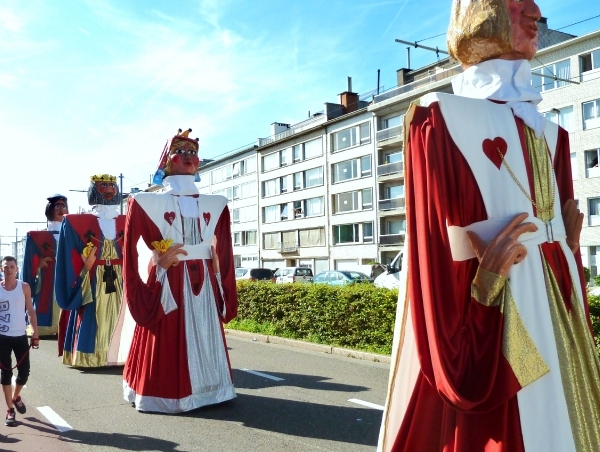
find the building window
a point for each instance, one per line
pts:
(285, 157)
(590, 62)
(395, 191)
(345, 202)
(563, 117)
(312, 237)
(367, 198)
(270, 187)
(345, 233)
(270, 162)
(591, 114)
(353, 136)
(298, 181)
(243, 214)
(272, 240)
(351, 169)
(313, 148)
(298, 212)
(395, 227)
(313, 177)
(271, 214)
(221, 174)
(394, 157)
(394, 121)
(290, 241)
(244, 238)
(314, 207)
(297, 153)
(591, 163)
(227, 192)
(546, 81)
(283, 184)
(594, 211)
(368, 232)
(574, 174)
(283, 211)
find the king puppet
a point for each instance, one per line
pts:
(89, 282)
(38, 265)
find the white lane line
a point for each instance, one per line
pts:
(60, 424)
(367, 404)
(260, 374)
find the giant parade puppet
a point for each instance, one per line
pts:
(38, 266)
(89, 280)
(493, 349)
(178, 359)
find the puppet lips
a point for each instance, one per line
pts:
(493, 148)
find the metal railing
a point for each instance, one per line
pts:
(296, 128)
(387, 134)
(389, 204)
(391, 239)
(418, 84)
(390, 168)
(288, 248)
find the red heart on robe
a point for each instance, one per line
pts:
(491, 148)
(170, 217)
(206, 216)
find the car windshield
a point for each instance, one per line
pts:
(355, 275)
(239, 272)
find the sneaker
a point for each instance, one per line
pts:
(10, 417)
(19, 405)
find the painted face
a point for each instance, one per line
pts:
(108, 190)
(60, 210)
(184, 159)
(523, 29)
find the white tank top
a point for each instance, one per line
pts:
(12, 311)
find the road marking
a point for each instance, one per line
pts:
(60, 424)
(367, 404)
(260, 374)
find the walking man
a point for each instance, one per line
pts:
(15, 298)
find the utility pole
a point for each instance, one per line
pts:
(121, 191)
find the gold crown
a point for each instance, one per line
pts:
(103, 178)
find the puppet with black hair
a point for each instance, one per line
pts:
(38, 265)
(89, 282)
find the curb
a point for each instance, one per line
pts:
(349, 353)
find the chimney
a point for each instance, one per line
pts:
(348, 99)
(278, 127)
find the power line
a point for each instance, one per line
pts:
(436, 36)
(581, 21)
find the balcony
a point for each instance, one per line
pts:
(391, 239)
(289, 248)
(391, 204)
(390, 168)
(418, 84)
(388, 134)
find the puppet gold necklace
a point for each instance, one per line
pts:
(546, 212)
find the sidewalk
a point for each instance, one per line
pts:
(349, 353)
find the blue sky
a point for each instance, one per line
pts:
(98, 86)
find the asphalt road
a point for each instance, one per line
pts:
(300, 404)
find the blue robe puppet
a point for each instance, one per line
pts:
(38, 267)
(89, 281)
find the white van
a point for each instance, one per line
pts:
(293, 274)
(391, 277)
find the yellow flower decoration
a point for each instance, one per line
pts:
(163, 245)
(88, 249)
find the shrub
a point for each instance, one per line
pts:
(594, 303)
(359, 316)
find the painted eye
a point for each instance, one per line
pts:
(192, 152)
(180, 151)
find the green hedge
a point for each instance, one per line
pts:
(359, 316)
(594, 302)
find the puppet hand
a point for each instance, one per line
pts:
(35, 342)
(88, 262)
(169, 258)
(573, 220)
(215, 256)
(504, 250)
(44, 262)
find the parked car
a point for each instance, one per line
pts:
(254, 274)
(341, 277)
(293, 274)
(391, 277)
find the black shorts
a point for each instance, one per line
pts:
(20, 346)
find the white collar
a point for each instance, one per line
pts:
(54, 226)
(180, 185)
(503, 80)
(507, 81)
(106, 212)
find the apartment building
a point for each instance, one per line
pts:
(568, 76)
